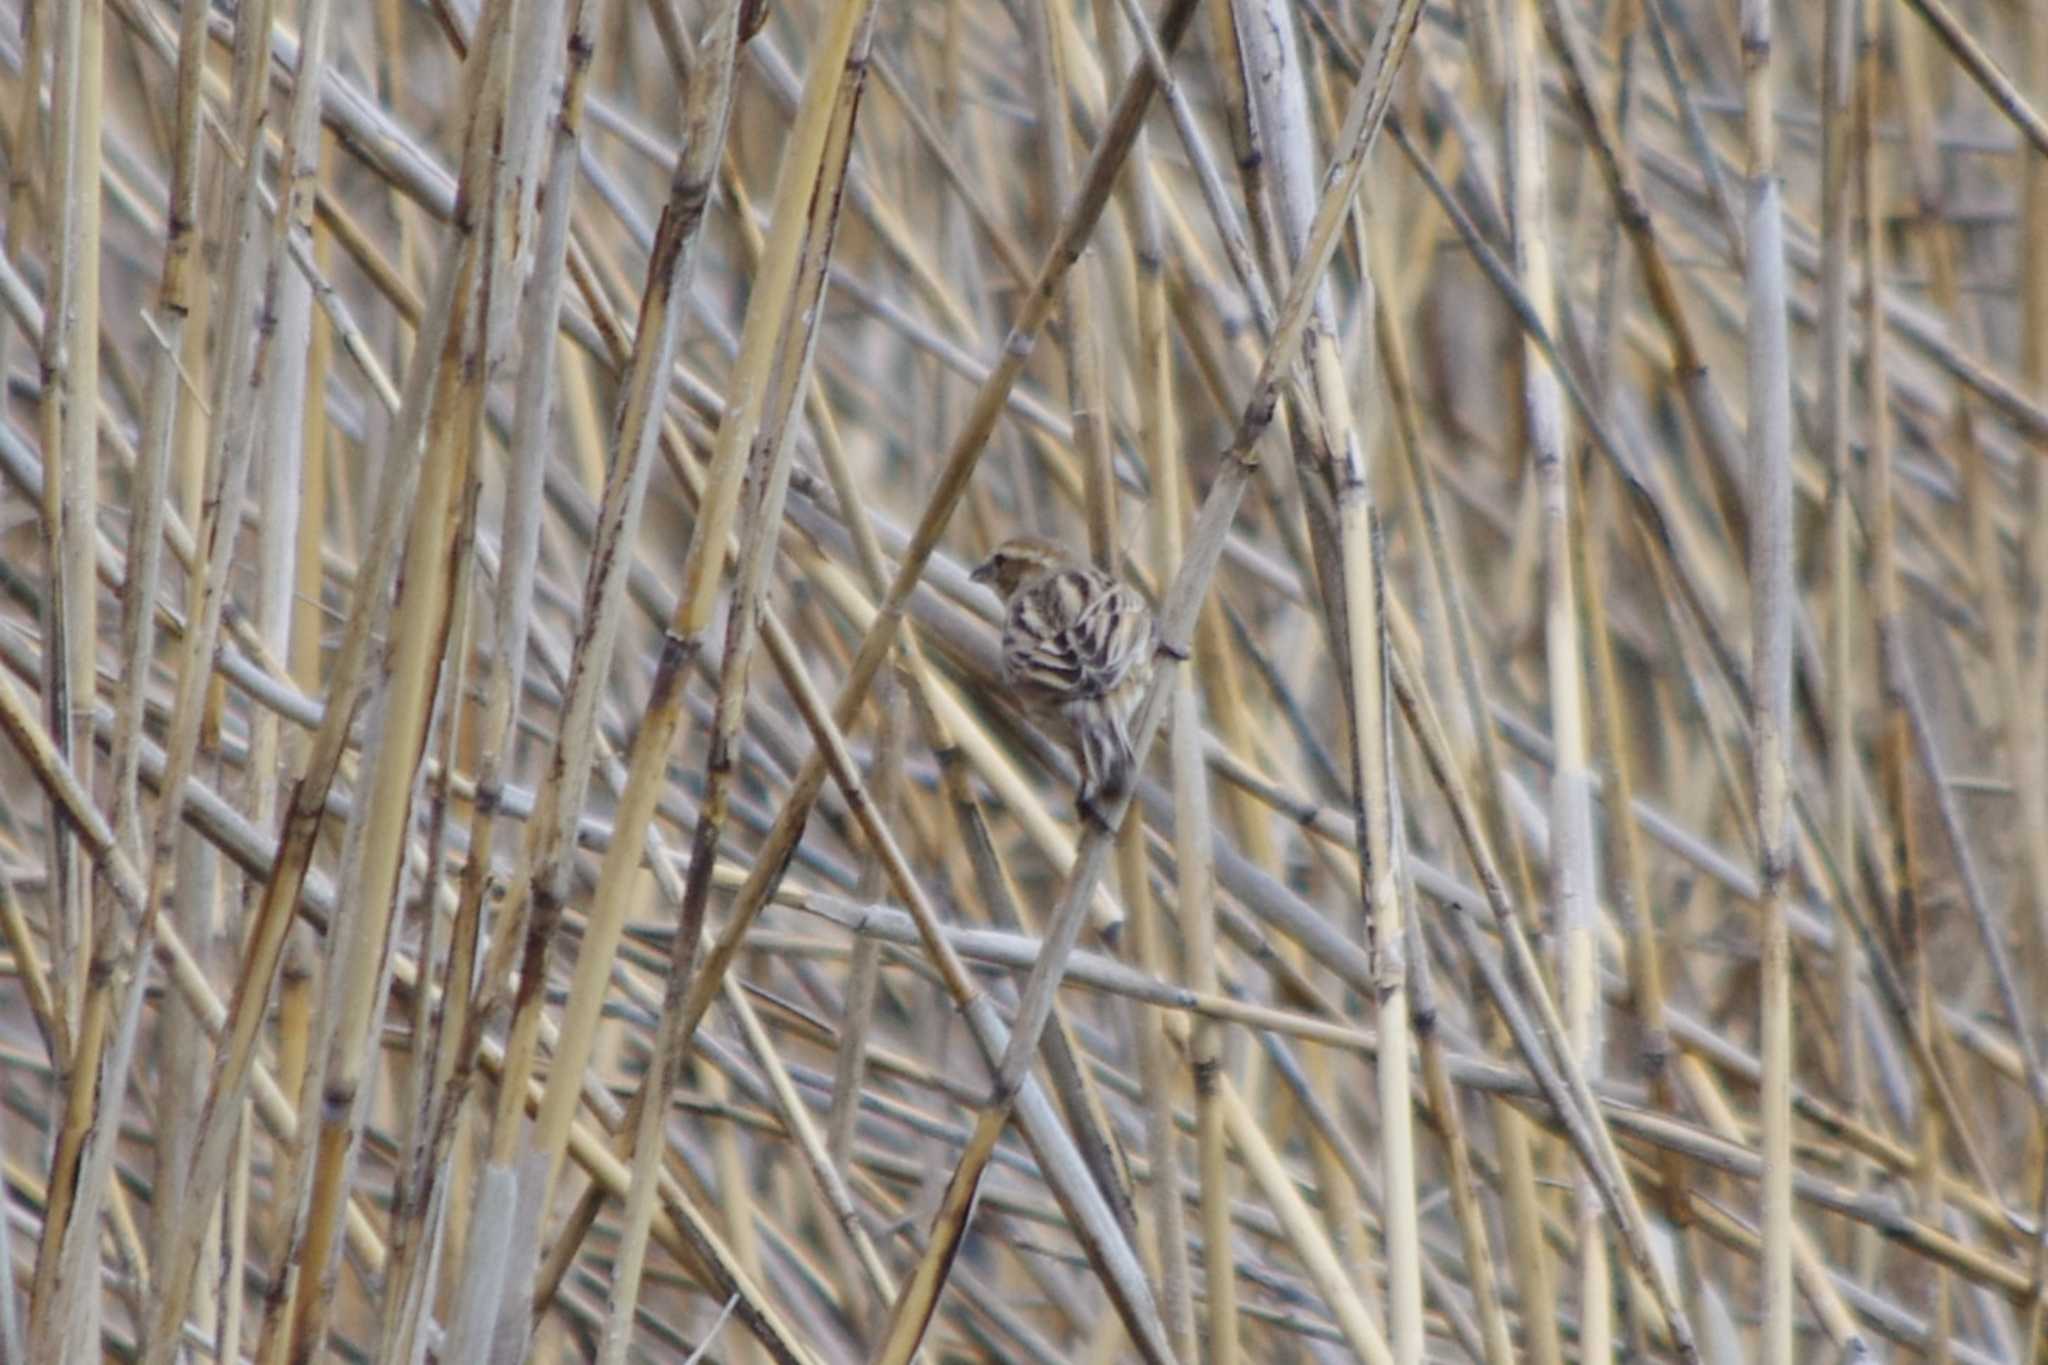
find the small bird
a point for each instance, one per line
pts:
(1077, 646)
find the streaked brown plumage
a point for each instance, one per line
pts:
(1077, 646)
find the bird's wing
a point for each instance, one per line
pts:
(1111, 638)
(1075, 635)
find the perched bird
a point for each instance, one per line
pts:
(1078, 647)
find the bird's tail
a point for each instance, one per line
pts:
(1107, 764)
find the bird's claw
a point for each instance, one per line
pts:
(1178, 653)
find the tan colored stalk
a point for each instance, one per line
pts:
(1573, 882)
(1475, 716)
(1375, 810)
(358, 983)
(38, 748)
(1771, 586)
(1628, 867)
(70, 370)
(438, 537)
(296, 989)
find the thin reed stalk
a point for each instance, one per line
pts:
(1771, 590)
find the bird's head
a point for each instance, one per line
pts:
(1017, 561)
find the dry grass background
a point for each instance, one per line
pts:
(512, 845)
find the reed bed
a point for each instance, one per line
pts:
(515, 845)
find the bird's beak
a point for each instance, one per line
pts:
(983, 572)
